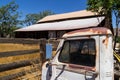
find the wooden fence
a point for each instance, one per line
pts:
(36, 61)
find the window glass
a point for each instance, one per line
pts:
(81, 52)
(65, 52)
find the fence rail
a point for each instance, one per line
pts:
(19, 40)
(16, 53)
(20, 74)
(15, 65)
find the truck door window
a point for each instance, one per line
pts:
(65, 52)
(81, 52)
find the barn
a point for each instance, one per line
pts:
(54, 26)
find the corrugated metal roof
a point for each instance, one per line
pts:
(77, 14)
(65, 25)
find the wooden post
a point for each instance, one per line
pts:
(43, 50)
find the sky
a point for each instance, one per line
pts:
(56, 6)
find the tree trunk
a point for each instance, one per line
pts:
(115, 41)
(116, 34)
(108, 21)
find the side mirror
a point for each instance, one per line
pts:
(48, 51)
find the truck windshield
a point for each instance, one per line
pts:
(80, 52)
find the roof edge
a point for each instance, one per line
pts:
(73, 18)
(68, 15)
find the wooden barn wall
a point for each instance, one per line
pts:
(32, 34)
(40, 34)
(56, 34)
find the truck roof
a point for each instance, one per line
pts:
(88, 31)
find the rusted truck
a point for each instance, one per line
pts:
(85, 54)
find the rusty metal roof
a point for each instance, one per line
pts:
(88, 31)
(65, 25)
(77, 14)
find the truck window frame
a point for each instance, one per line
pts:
(69, 52)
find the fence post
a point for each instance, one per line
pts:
(43, 50)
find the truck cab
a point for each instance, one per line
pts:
(85, 54)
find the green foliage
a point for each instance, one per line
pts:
(118, 39)
(8, 19)
(103, 7)
(116, 10)
(106, 7)
(100, 6)
(33, 18)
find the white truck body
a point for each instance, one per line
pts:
(84, 54)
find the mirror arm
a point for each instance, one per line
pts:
(93, 74)
(50, 64)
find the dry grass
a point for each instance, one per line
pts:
(53, 53)
(14, 71)
(19, 58)
(27, 70)
(4, 47)
(32, 75)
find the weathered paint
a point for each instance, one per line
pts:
(64, 16)
(105, 41)
(104, 58)
(73, 70)
(81, 67)
(79, 70)
(88, 31)
(64, 25)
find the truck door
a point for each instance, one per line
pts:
(77, 60)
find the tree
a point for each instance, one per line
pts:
(107, 7)
(33, 18)
(8, 19)
(116, 11)
(103, 7)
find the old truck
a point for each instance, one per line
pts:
(85, 54)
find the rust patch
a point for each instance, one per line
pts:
(97, 52)
(98, 30)
(105, 41)
(82, 67)
(89, 36)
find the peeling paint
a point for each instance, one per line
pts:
(88, 31)
(105, 41)
(82, 67)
